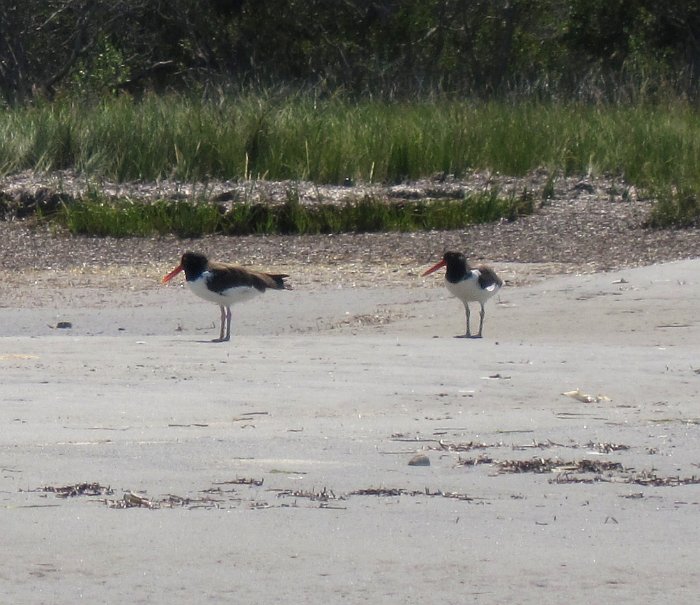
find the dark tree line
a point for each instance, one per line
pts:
(583, 48)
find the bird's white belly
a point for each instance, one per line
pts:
(468, 290)
(227, 297)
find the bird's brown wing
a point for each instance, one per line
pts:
(488, 278)
(223, 274)
(274, 281)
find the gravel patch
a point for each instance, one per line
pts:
(587, 225)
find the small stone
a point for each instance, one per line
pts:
(419, 460)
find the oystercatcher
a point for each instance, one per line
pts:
(467, 284)
(224, 284)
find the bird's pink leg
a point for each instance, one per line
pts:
(228, 322)
(481, 320)
(468, 333)
(223, 321)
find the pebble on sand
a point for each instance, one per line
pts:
(419, 460)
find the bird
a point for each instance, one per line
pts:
(224, 284)
(468, 284)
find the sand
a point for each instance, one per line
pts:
(275, 468)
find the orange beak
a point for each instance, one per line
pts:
(434, 268)
(172, 274)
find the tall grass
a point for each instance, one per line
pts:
(328, 141)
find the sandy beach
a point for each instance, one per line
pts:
(142, 463)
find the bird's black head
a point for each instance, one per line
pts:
(457, 266)
(194, 264)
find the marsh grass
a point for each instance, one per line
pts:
(299, 137)
(127, 218)
(194, 219)
(675, 206)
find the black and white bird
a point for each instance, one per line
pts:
(468, 284)
(224, 284)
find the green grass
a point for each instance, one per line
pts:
(192, 219)
(125, 218)
(655, 147)
(678, 207)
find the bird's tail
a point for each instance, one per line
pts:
(279, 278)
